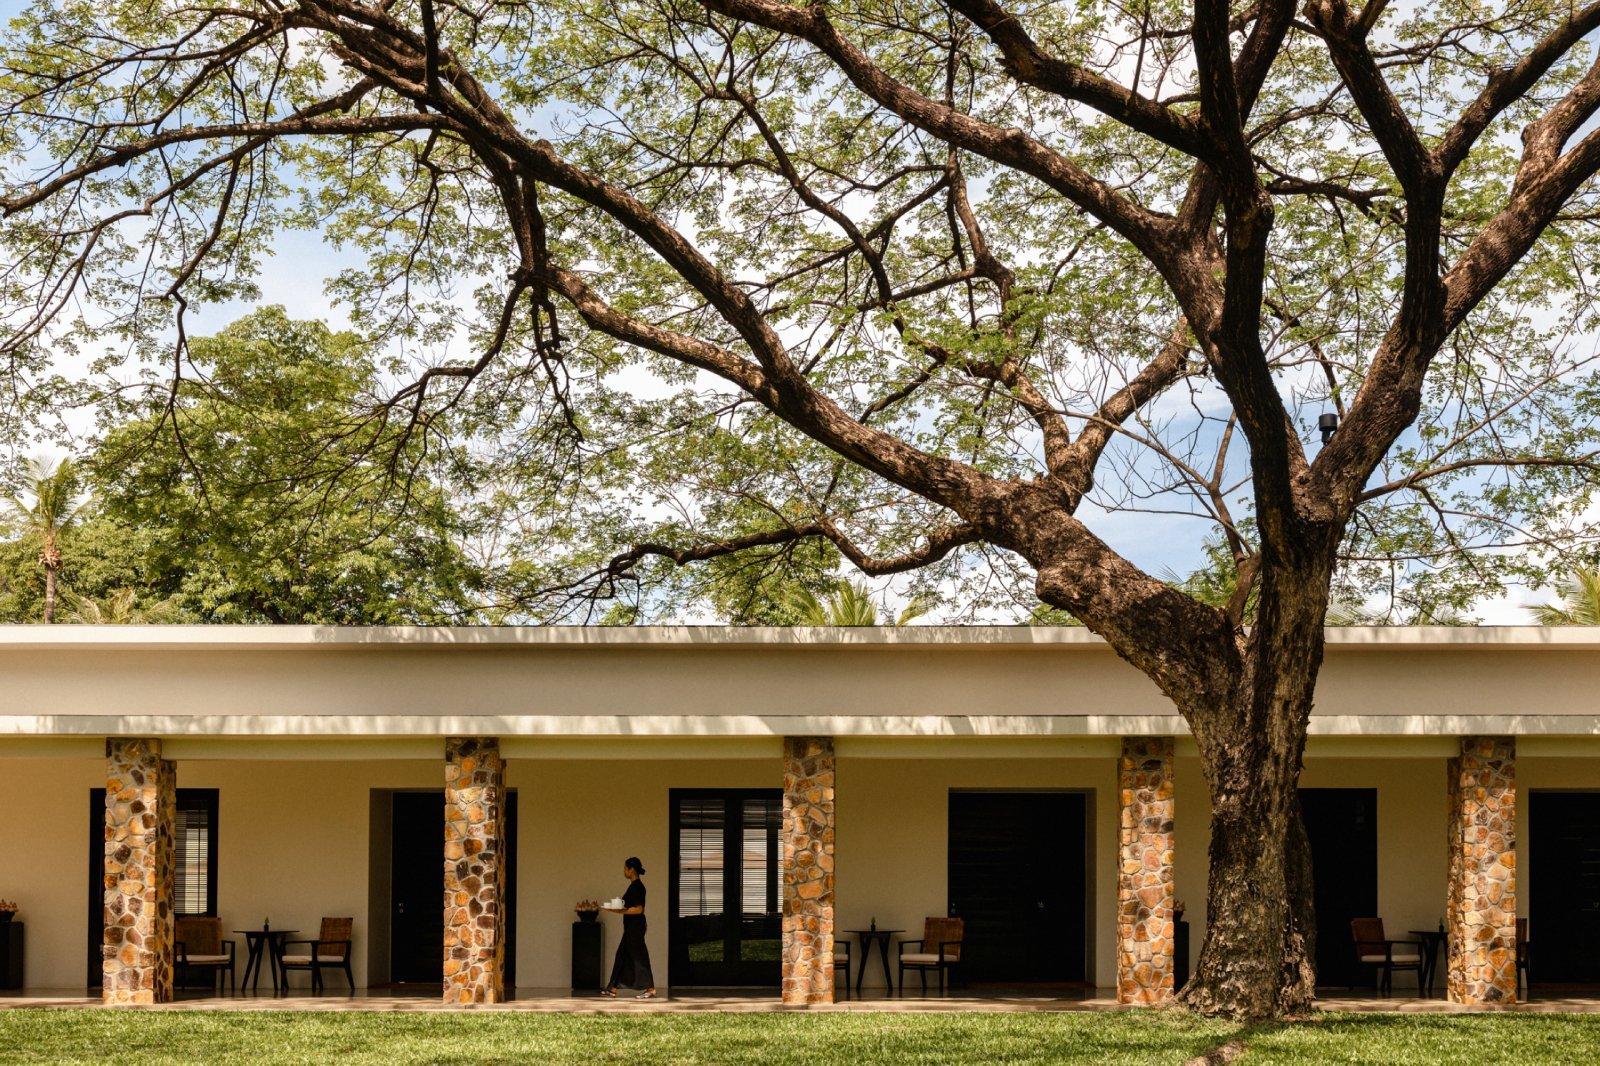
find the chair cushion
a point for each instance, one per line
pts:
(305, 960)
(922, 958)
(196, 960)
(1401, 957)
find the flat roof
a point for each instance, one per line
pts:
(281, 637)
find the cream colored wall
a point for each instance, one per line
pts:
(893, 840)
(293, 840)
(44, 855)
(578, 820)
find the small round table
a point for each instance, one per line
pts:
(866, 938)
(256, 940)
(1432, 940)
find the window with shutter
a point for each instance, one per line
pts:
(195, 851)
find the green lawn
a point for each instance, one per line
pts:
(1099, 1039)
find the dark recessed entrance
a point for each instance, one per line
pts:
(1564, 888)
(416, 889)
(1019, 864)
(1342, 824)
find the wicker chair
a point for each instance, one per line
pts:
(841, 961)
(331, 950)
(200, 946)
(1374, 949)
(938, 950)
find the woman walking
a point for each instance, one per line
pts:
(632, 968)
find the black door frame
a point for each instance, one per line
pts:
(96, 911)
(1534, 918)
(1089, 888)
(509, 904)
(1338, 945)
(682, 972)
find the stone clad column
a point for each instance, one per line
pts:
(141, 802)
(474, 871)
(1481, 901)
(807, 856)
(1145, 924)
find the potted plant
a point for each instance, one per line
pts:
(587, 910)
(8, 910)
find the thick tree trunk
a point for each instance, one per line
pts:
(49, 595)
(1258, 960)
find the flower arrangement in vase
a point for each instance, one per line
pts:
(587, 910)
(8, 909)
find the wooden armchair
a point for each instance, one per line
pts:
(199, 946)
(938, 950)
(1374, 949)
(331, 950)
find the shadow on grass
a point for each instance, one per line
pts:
(1429, 1040)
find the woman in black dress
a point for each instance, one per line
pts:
(632, 967)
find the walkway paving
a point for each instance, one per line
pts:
(743, 1001)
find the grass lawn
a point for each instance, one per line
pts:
(1098, 1039)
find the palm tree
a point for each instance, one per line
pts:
(851, 604)
(1580, 602)
(122, 608)
(56, 503)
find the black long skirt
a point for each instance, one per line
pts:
(632, 968)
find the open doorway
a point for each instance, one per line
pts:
(406, 901)
(1342, 826)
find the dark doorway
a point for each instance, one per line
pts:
(726, 922)
(1342, 825)
(1019, 866)
(1564, 888)
(416, 889)
(194, 867)
(416, 885)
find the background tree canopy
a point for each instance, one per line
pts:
(241, 498)
(693, 299)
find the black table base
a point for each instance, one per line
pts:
(867, 938)
(270, 943)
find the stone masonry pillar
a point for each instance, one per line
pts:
(141, 802)
(474, 871)
(1145, 922)
(1481, 901)
(807, 854)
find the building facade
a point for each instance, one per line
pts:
(455, 791)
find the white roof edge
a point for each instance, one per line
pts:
(227, 637)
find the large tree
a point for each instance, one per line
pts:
(244, 496)
(931, 284)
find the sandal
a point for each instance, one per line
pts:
(606, 993)
(651, 994)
